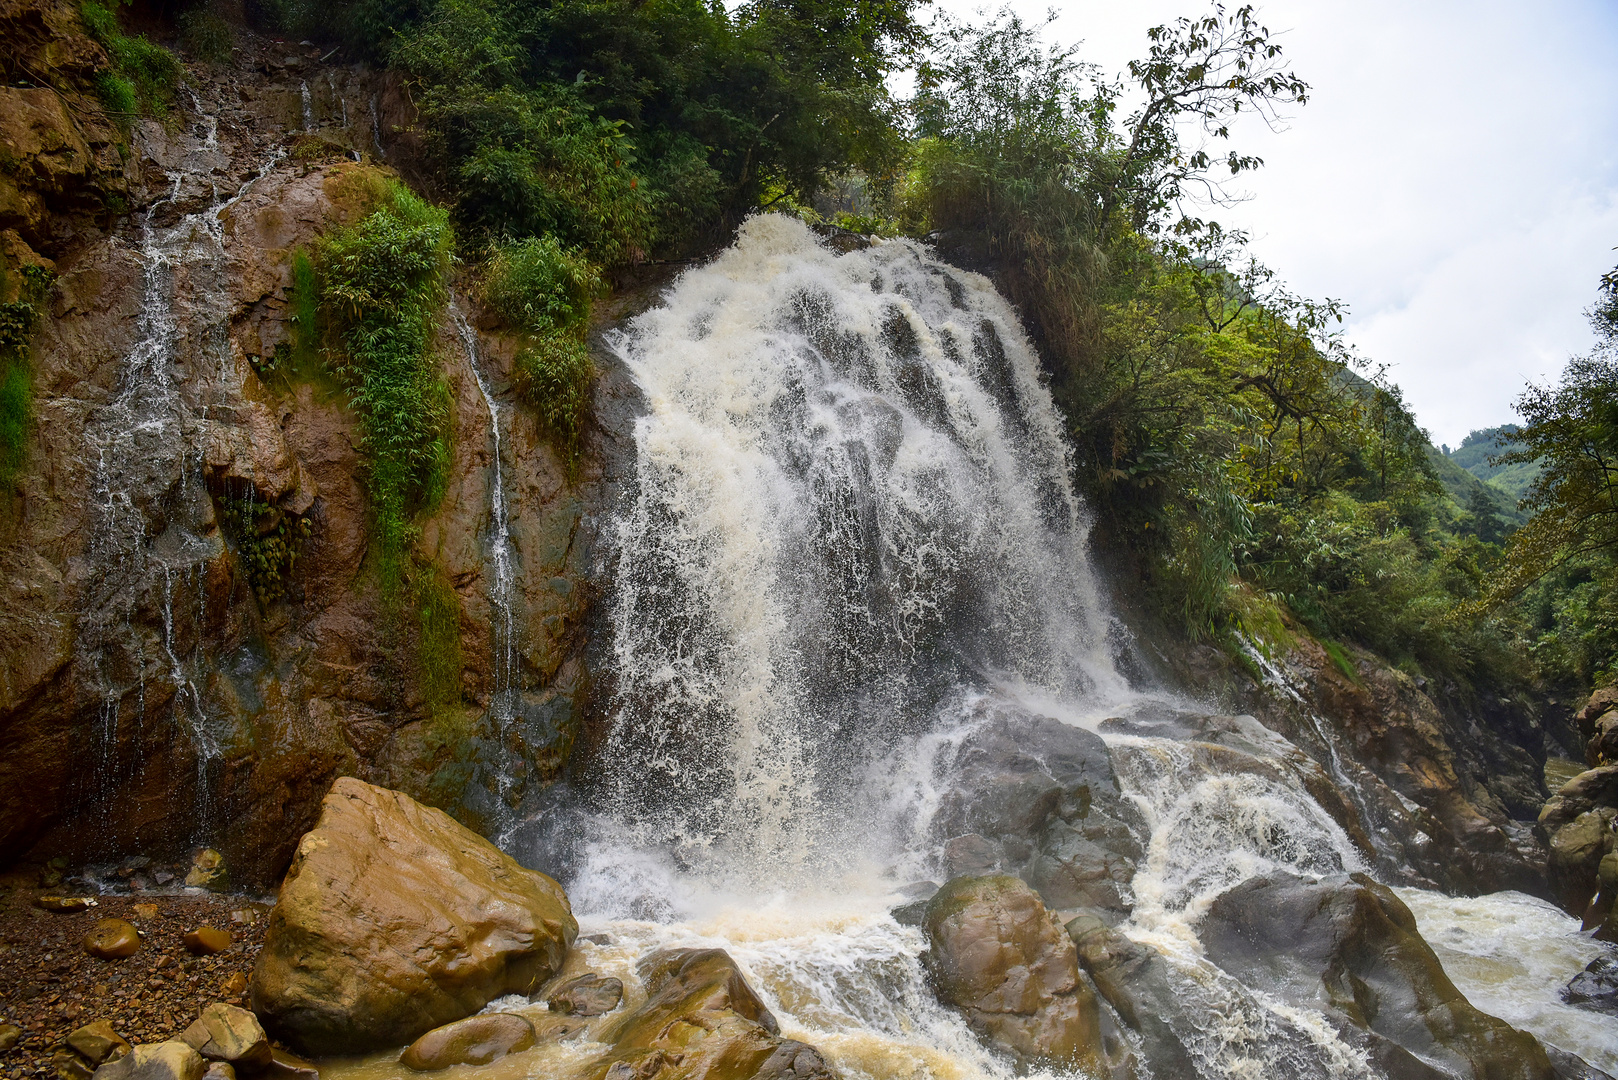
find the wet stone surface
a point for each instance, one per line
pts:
(49, 986)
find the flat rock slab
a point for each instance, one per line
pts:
(226, 1033)
(477, 1040)
(171, 1060)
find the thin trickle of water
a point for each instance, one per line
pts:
(503, 579)
(376, 128)
(147, 479)
(308, 106)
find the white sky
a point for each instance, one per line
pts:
(1454, 177)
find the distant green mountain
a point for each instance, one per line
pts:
(1480, 446)
(1472, 495)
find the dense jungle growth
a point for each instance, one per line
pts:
(1266, 479)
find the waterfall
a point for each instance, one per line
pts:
(852, 497)
(148, 542)
(502, 582)
(308, 106)
(850, 541)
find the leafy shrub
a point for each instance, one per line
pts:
(545, 290)
(537, 284)
(205, 35)
(553, 374)
(142, 71)
(382, 287)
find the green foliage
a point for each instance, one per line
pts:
(545, 291)
(144, 75)
(438, 658)
(553, 374)
(623, 127)
(205, 35)
(18, 320)
(538, 285)
(267, 541)
(1561, 568)
(1480, 454)
(1220, 427)
(382, 285)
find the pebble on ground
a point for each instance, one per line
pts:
(50, 986)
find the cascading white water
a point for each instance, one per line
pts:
(852, 495)
(146, 444)
(502, 562)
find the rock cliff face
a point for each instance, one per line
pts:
(1444, 796)
(149, 700)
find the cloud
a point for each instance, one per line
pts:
(1454, 179)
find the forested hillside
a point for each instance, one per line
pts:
(1480, 453)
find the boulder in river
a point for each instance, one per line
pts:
(1133, 979)
(1576, 851)
(477, 1040)
(587, 995)
(393, 920)
(1349, 947)
(1035, 797)
(701, 1019)
(1596, 987)
(996, 954)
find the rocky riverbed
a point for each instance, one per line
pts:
(49, 985)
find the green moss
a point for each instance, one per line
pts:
(438, 657)
(18, 320)
(267, 542)
(1341, 659)
(144, 75)
(545, 290)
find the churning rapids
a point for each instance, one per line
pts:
(850, 545)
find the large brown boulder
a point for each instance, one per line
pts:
(996, 954)
(701, 1021)
(394, 920)
(1349, 947)
(1574, 860)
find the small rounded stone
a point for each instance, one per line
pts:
(205, 940)
(112, 939)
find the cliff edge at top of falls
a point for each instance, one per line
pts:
(149, 701)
